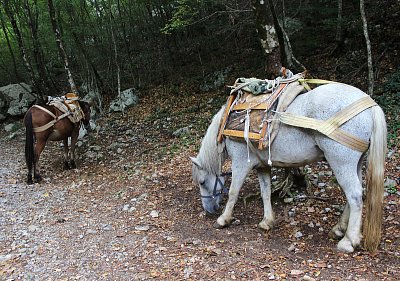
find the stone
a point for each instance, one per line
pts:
(154, 214)
(12, 127)
(15, 99)
(125, 100)
(142, 228)
(181, 131)
(215, 80)
(298, 234)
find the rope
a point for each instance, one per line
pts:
(246, 132)
(269, 143)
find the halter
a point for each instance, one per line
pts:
(224, 190)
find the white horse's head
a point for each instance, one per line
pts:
(211, 186)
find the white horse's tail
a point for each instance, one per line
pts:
(375, 178)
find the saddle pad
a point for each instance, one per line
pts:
(69, 103)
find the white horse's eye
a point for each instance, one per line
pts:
(202, 182)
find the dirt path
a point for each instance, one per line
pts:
(127, 215)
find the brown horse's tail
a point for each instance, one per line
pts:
(29, 150)
(375, 178)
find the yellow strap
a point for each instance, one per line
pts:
(304, 82)
(346, 114)
(317, 81)
(245, 106)
(331, 126)
(240, 134)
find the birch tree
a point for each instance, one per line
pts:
(369, 52)
(38, 91)
(32, 17)
(274, 40)
(60, 46)
(268, 37)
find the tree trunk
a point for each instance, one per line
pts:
(123, 28)
(275, 42)
(339, 31)
(116, 61)
(89, 61)
(268, 38)
(3, 26)
(288, 60)
(79, 39)
(37, 50)
(60, 46)
(38, 91)
(369, 52)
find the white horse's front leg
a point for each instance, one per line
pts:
(238, 177)
(264, 177)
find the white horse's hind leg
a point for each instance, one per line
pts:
(348, 179)
(340, 228)
(264, 177)
(338, 231)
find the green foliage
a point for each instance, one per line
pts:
(391, 189)
(390, 102)
(184, 14)
(393, 85)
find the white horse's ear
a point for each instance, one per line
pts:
(195, 161)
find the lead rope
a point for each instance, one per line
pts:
(246, 132)
(269, 142)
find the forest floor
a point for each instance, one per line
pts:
(131, 212)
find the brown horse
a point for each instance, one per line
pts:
(59, 128)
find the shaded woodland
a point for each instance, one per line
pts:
(142, 43)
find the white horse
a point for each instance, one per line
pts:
(294, 147)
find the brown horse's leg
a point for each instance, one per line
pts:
(29, 145)
(74, 139)
(38, 150)
(66, 158)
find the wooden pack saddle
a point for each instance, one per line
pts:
(251, 105)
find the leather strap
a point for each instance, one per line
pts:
(52, 122)
(45, 110)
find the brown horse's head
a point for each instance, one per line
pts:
(86, 110)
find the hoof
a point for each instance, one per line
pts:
(221, 223)
(216, 225)
(345, 246)
(66, 165)
(38, 178)
(72, 165)
(265, 226)
(29, 180)
(335, 234)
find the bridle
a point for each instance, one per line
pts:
(224, 190)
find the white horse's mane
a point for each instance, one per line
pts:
(210, 155)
